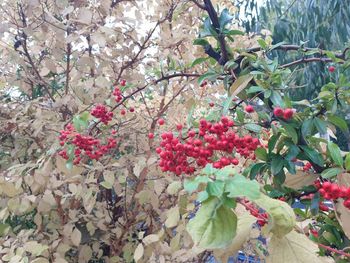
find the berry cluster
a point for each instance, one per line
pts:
(85, 145)
(254, 211)
(307, 167)
(117, 94)
(101, 112)
(208, 145)
(286, 114)
(333, 191)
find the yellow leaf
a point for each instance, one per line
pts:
(138, 252)
(294, 247)
(240, 84)
(173, 217)
(300, 179)
(76, 237)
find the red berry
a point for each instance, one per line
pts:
(249, 109)
(278, 112)
(331, 69)
(346, 203)
(123, 82)
(288, 114)
(122, 112)
(204, 83)
(161, 121)
(211, 104)
(179, 127)
(151, 135)
(132, 109)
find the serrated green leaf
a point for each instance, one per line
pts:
(214, 225)
(277, 164)
(320, 125)
(215, 188)
(240, 186)
(200, 42)
(339, 122)
(313, 155)
(335, 153)
(331, 172)
(253, 127)
(261, 154)
(347, 162)
(198, 61)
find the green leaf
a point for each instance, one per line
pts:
(214, 225)
(331, 172)
(272, 142)
(277, 164)
(255, 89)
(200, 42)
(231, 64)
(240, 186)
(234, 32)
(208, 169)
(106, 185)
(224, 173)
(240, 84)
(256, 169)
(190, 185)
(347, 162)
(69, 164)
(320, 125)
(262, 43)
(277, 99)
(335, 153)
(293, 151)
(224, 19)
(307, 127)
(339, 122)
(313, 155)
(261, 154)
(216, 188)
(253, 127)
(291, 132)
(202, 196)
(210, 75)
(198, 61)
(282, 217)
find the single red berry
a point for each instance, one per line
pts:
(161, 121)
(122, 112)
(179, 127)
(323, 207)
(278, 112)
(211, 104)
(249, 109)
(282, 199)
(123, 82)
(288, 114)
(346, 203)
(331, 69)
(151, 135)
(327, 186)
(132, 109)
(204, 83)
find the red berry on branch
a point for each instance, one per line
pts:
(161, 121)
(123, 112)
(331, 69)
(249, 109)
(204, 83)
(288, 114)
(132, 109)
(179, 127)
(123, 82)
(211, 104)
(278, 112)
(151, 135)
